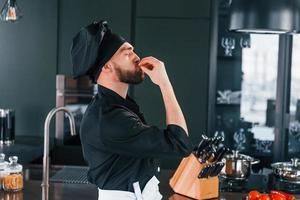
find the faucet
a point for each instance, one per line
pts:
(45, 183)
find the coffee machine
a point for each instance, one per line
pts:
(7, 126)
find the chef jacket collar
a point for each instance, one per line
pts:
(115, 98)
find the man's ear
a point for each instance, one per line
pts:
(107, 67)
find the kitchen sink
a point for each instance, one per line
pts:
(58, 173)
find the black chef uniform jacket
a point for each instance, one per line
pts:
(118, 145)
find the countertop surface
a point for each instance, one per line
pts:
(59, 191)
(27, 148)
(30, 148)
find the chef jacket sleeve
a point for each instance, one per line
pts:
(124, 133)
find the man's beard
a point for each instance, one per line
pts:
(130, 76)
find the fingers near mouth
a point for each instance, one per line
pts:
(147, 65)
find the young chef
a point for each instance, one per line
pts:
(120, 148)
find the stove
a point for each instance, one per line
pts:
(254, 182)
(260, 182)
(276, 183)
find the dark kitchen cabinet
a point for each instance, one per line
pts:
(186, 58)
(183, 45)
(173, 9)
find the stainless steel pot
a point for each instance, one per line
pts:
(289, 171)
(238, 166)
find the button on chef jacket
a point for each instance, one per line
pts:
(120, 148)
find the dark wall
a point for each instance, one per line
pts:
(178, 34)
(28, 65)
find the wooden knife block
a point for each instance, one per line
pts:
(185, 181)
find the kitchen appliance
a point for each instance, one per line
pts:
(255, 181)
(7, 126)
(238, 166)
(276, 183)
(260, 182)
(2, 125)
(10, 127)
(287, 171)
(74, 95)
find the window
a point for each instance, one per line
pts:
(294, 128)
(259, 67)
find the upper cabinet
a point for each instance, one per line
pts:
(178, 33)
(174, 8)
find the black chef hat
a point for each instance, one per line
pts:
(92, 47)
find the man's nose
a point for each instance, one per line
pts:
(137, 58)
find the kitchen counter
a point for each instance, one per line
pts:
(27, 148)
(59, 191)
